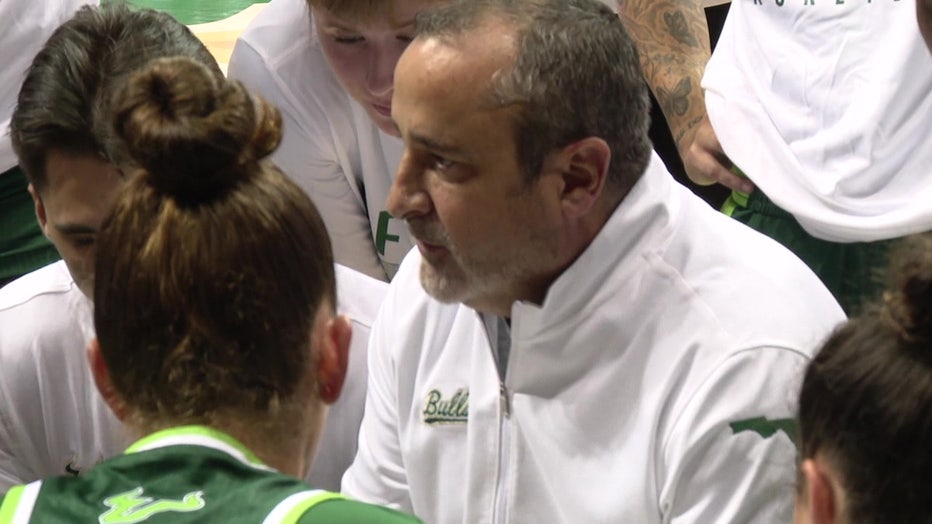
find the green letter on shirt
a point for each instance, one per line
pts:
(382, 235)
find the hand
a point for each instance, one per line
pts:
(706, 163)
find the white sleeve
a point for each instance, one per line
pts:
(25, 444)
(731, 455)
(378, 474)
(13, 470)
(307, 156)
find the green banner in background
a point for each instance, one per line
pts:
(196, 11)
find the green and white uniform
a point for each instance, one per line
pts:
(52, 419)
(185, 474)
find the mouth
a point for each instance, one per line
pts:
(428, 249)
(428, 237)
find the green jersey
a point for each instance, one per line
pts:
(182, 475)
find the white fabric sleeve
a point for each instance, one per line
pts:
(307, 155)
(730, 456)
(13, 470)
(378, 474)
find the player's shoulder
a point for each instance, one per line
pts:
(281, 28)
(43, 315)
(51, 282)
(347, 511)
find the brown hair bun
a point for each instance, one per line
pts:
(908, 308)
(191, 131)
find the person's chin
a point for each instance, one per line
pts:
(440, 282)
(383, 121)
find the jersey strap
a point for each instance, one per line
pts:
(293, 507)
(18, 503)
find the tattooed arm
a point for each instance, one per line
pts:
(673, 43)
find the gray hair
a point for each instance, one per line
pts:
(576, 74)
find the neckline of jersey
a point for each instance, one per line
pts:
(197, 435)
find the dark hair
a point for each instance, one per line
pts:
(866, 400)
(212, 265)
(576, 74)
(64, 102)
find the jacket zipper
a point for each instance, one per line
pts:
(504, 456)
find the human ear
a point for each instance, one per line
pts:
(102, 380)
(333, 358)
(583, 167)
(40, 209)
(820, 486)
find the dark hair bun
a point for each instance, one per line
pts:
(195, 133)
(909, 304)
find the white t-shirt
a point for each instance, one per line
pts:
(331, 147)
(827, 107)
(27, 24)
(653, 385)
(52, 419)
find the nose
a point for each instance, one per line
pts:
(380, 73)
(408, 197)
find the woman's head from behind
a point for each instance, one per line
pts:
(362, 40)
(866, 408)
(215, 286)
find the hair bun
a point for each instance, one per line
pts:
(909, 305)
(192, 131)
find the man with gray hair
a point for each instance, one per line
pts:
(576, 337)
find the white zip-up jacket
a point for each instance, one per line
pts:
(654, 384)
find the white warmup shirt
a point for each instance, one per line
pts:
(827, 107)
(653, 385)
(26, 24)
(54, 422)
(330, 146)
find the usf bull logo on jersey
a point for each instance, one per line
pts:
(131, 507)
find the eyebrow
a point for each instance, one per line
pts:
(404, 24)
(74, 229)
(435, 146)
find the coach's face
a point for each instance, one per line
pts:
(488, 237)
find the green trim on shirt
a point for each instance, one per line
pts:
(9, 503)
(194, 431)
(305, 505)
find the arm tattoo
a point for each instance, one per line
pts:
(677, 99)
(672, 38)
(676, 26)
(681, 134)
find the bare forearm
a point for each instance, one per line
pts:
(672, 37)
